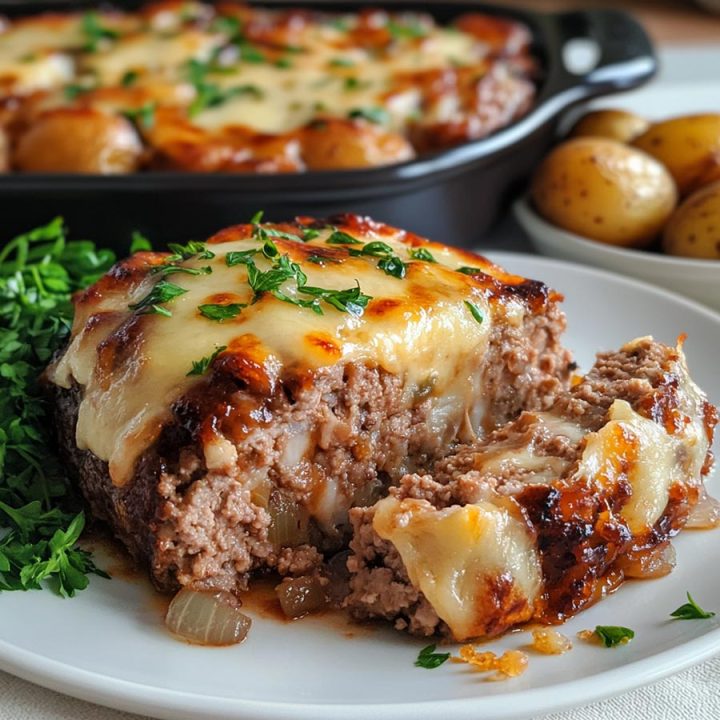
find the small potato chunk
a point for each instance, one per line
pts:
(694, 228)
(338, 144)
(79, 140)
(604, 190)
(688, 146)
(619, 125)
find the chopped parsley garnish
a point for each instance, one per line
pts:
(72, 92)
(421, 254)
(163, 292)
(256, 219)
(165, 270)
(342, 62)
(389, 263)
(376, 115)
(218, 313)
(338, 237)
(40, 511)
(475, 312)
(249, 53)
(191, 250)
(321, 260)
(144, 116)
(283, 63)
(209, 94)
(95, 32)
(353, 83)
(352, 301)
(310, 234)
(691, 611)
(427, 658)
(200, 367)
(406, 30)
(230, 26)
(612, 635)
(139, 242)
(129, 78)
(240, 257)
(467, 270)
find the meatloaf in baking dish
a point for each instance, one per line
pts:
(543, 516)
(226, 404)
(225, 87)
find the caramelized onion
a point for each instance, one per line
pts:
(289, 524)
(300, 596)
(644, 564)
(705, 514)
(207, 618)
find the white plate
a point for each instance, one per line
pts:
(108, 645)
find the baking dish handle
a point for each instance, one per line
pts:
(626, 56)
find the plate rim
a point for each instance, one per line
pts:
(146, 699)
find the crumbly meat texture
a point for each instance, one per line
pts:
(255, 467)
(581, 537)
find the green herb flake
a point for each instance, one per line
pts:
(40, 511)
(351, 301)
(218, 313)
(139, 243)
(283, 63)
(475, 312)
(190, 251)
(74, 91)
(691, 611)
(406, 30)
(375, 115)
(341, 62)
(144, 116)
(95, 32)
(200, 367)
(613, 635)
(338, 237)
(161, 293)
(421, 254)
(129, 78)
(427, 658)
(310, 234)
(467, 270)
(322, 260)
(240, 257)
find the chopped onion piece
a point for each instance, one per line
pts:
(654, 563)
(706, 514)
(289, 524)
(207, 618)
(300, 596)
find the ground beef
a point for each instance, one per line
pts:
(579, 537)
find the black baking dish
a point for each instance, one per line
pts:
(452, 196)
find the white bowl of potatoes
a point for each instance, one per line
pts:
(635, 197)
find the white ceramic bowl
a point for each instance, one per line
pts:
(697, 279)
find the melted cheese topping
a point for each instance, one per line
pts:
(650, 457)
(272, 82)
(456, 557)
(133, 367)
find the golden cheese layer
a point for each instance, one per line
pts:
(219, 82)
(270, 301)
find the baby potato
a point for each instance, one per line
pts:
(689, 146)
(694, 228)
(338, 144)
(604, 190)
(79, 140)
(619, 125)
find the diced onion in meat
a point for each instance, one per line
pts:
(207, 618)
(654, 563)
(289, 524)
(706, 514)
(300, 596)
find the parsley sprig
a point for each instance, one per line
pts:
(429, 659)
(613, 635)
(39, 510)
(209, 94)
(95, 32)
(691, 611)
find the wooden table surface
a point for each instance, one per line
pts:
(668, 21)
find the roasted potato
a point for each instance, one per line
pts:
(694, 228)
(339, 144)
(619, 125)
(79, 140)
(688, 146)
(604, 190)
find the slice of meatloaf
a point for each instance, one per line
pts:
(224, 406)
(543, 516)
